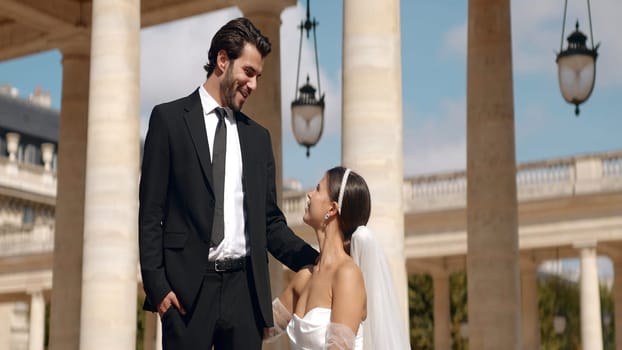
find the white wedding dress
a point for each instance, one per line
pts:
(309, 332)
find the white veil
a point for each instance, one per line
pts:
(383, 328)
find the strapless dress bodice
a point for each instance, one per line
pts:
(309, 332)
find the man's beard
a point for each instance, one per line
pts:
(228, 90)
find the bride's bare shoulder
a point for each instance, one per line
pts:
(349, 275)
(349, 297)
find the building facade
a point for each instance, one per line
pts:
(28, 139)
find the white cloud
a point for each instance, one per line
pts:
(455, 41)
(438, 144)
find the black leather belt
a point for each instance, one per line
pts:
(227, 265)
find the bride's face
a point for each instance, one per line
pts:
(318, 204)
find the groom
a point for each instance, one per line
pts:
(204, 236)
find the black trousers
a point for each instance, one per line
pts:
(225, 315)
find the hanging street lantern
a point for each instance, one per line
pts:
(307, 116)
(577, 65)
(307, 110)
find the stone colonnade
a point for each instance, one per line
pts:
(590, 308)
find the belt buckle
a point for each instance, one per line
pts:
(217, 268)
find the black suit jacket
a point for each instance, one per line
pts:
(177, 206)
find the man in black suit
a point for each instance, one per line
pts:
(204, 236)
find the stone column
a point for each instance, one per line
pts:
(617, 300)
(69, 221)
(492, 224)
(442, 334)
(37, 321)
(371, 125)
(110, 257)
(151, 321)
(531, 323)
(591, 326)
(264, 105)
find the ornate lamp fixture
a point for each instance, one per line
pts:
(307, 111)
(577, 64)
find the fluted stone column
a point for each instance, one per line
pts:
(110, 257)
(531, 323)
(264, 105)
(37, 321)
(591, 326)
(617, 300)
(442, 334)
(371, 125)
(492, 229)
(69, 221)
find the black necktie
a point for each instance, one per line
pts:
(218, 176)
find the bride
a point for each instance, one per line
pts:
(345, 300)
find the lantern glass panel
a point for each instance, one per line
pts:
(307, 123)
(576, 76)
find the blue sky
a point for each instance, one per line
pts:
(434, 80)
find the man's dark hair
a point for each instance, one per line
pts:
(232, 38)
(356, 204)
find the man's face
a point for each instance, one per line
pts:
(240, 78)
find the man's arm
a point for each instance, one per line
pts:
(282, 242)
(152, 196)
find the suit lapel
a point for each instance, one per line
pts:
(245, 136)
(195, 121)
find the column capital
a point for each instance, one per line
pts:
(529, 263)
(587, 244)
(34, 292)
(77, 43)
(268, 7)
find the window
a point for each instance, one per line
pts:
(28, 215)
(3, 151)
(32, 155)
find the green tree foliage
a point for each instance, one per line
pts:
(421, 302)
(559, 297)
(459, 310)
(607, 312)
(556, 296)
(421, 310)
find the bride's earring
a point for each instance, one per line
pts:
(326, 216)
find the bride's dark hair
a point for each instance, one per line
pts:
(356, 203)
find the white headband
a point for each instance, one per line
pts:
(342, 188)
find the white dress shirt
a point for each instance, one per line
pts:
(234, 243)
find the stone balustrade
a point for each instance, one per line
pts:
(27, 178)
(560, 177)
(26, 187)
